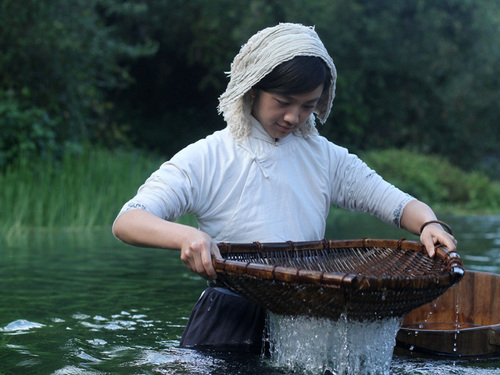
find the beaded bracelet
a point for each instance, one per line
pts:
(446, 226)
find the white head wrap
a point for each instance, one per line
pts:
(258, 57)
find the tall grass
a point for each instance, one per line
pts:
(88, 190)
(79, 191)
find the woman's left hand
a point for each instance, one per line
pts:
(434, 234)
(418, 218)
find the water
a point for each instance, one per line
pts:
(342, 347)
(74, 302)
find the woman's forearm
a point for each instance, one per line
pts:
(415, 214)
(141, 228)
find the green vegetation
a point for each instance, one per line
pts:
(421, 74)
(88, 190)
(79, 191)
(60, 64)
(436, 181)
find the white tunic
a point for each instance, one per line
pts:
(265, 190)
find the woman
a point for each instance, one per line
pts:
(268, 177)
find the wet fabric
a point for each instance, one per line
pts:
(225, 321)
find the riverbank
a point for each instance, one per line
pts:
(88, 190)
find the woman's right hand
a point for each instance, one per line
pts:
(197, 251)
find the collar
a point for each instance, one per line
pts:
(258, 132)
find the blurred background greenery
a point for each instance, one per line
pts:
(417, 79)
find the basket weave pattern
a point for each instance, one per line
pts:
(364, 279)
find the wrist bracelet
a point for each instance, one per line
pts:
(446, 226)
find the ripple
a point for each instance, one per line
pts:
(73, 370)
(20, 326)
(97, 342)
(477, 258)
(427, 366)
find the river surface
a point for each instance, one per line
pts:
(80, 302)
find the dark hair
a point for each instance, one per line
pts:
(296, 76)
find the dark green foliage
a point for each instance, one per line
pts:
(59, 63)
(434, 180)
(28, 131)
(417, 73)
(423, 74)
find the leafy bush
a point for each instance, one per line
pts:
(435, 180)
(59, 62)
(24, 130)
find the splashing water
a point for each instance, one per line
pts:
(340, 347)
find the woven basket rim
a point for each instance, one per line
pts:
(347, 281)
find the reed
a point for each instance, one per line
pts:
(88, 190)
(80, 191)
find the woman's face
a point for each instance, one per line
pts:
(280, 114)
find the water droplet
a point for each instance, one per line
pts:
(457, 324)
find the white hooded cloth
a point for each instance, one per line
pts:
(257, 58)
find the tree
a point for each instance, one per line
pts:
(60, 60)
(174, 99)
(416, 74)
